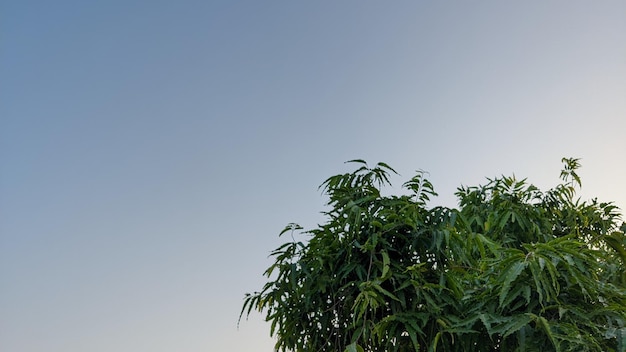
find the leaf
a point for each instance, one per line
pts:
(357, 161)
(386, 166)
(510, 275)
(433, 346)
(385, 292)
(290, 227)
(562, 312)
(353, 347)
(545, 326)
(513, 294)
(386, 263)
(621, 340)
(504, 219)
(516, 324)
(617, 242)
(487, 320)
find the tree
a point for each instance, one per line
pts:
(513, 268)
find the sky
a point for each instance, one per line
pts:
(151, 151)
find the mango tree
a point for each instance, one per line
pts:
(513, 268)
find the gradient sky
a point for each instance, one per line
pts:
(151, 151)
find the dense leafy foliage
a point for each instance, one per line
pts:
(513, 268)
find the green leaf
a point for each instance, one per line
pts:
(357, 161)
(385, 292)
(545, 326)
(386, 263)
(516, 324)
(353, 347)
(509, 276)
(433, 346)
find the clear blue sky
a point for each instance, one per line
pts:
(151, 151)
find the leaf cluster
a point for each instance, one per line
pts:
(513, 268)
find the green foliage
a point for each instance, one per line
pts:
(512, 269)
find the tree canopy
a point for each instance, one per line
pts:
(513, 268)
